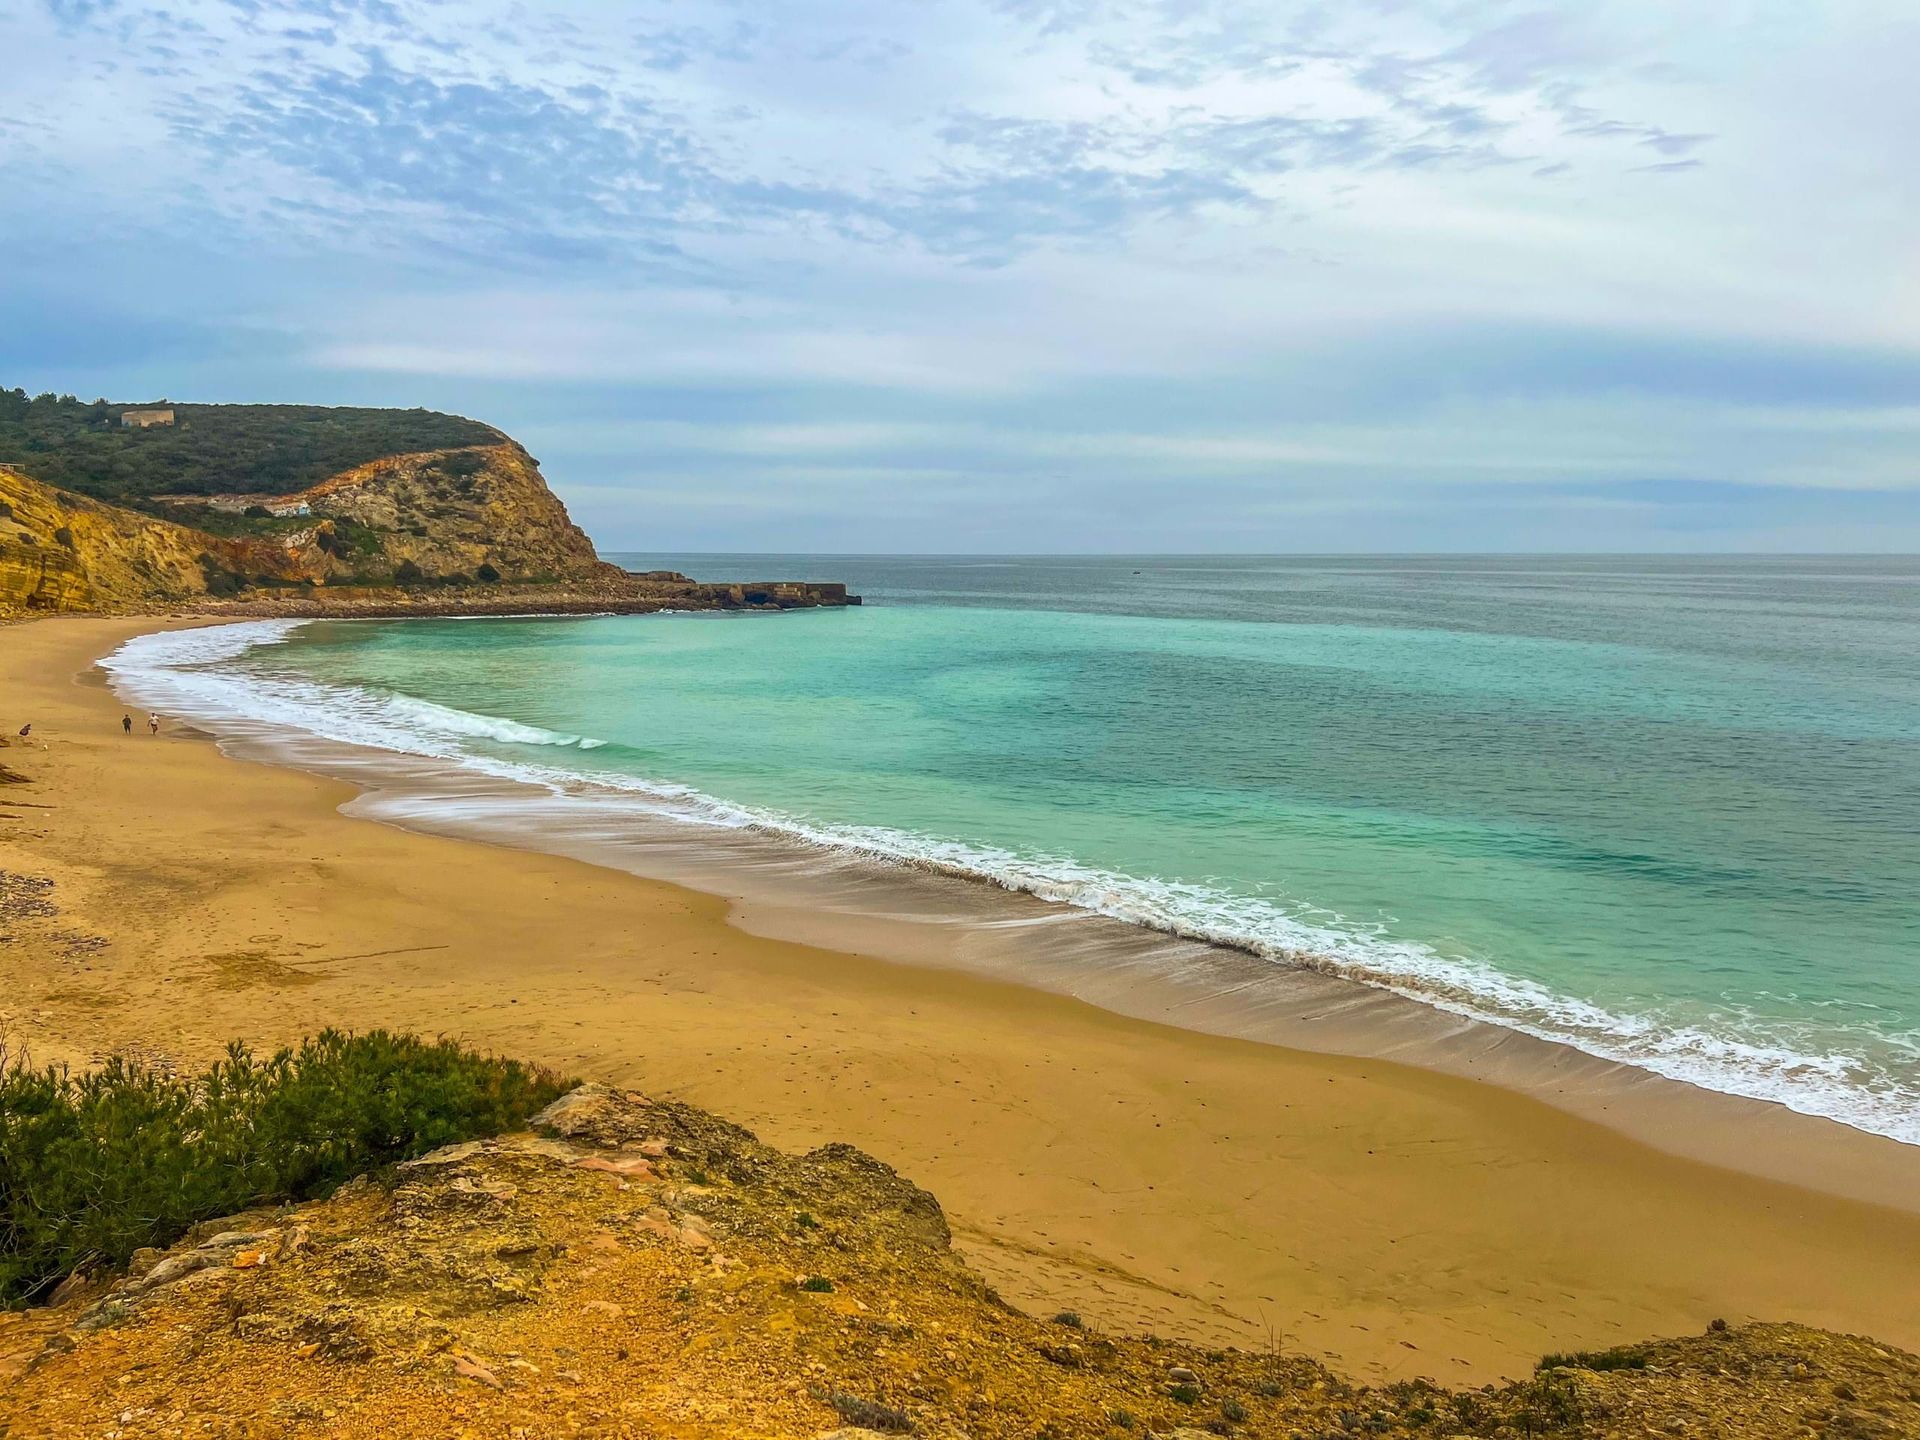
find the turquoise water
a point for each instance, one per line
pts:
(1666, 810)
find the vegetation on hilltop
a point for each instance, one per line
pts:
(210, 449)
(98, 1165)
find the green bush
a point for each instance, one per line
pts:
(94, 1166)
(216, 449)
(1626, 1357)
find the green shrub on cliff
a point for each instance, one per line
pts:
(96, 1165)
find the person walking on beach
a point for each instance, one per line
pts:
(153, 724)
(126, 724)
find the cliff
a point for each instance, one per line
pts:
(638, 1268)
(479, 513)
(457, 512)
(60, 551)
(475, 515)
(470, 529)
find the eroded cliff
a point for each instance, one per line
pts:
(62, 552)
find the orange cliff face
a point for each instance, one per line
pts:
(60, 551)
(477, 513)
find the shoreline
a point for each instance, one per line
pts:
(1092, 1159)
(921, 912)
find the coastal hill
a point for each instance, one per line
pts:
(636, 1267)
(301, 509)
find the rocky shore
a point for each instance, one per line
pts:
(614, 593)
(637, 1267)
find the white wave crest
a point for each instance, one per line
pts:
(180, 670)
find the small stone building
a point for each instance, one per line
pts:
(141, 419)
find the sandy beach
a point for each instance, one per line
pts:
(1392, 1219)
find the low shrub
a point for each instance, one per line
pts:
(817, 1285)
(461, 463)
(870, 1414)
(1626, 1357)
(96, 1165)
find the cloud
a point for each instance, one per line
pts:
(510, 157)
(1232, 261)
(79, 12)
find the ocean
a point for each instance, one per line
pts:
(1665, 810)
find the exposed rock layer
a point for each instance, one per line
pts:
(60, 551)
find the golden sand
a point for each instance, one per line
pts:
(1393, 1220)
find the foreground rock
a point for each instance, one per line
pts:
(638, 1268)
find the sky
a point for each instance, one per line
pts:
(1017, 275)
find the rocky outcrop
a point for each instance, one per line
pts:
(639, 1268)
(448, 513)
(477, 514)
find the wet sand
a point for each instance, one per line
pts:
(1397, 1219)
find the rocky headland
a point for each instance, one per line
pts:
(468, 529)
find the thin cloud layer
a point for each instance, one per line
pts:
(1313, 275)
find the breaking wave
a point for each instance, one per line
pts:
(189, 673)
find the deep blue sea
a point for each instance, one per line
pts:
(1667, 810)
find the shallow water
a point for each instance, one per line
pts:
(1665, 810)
